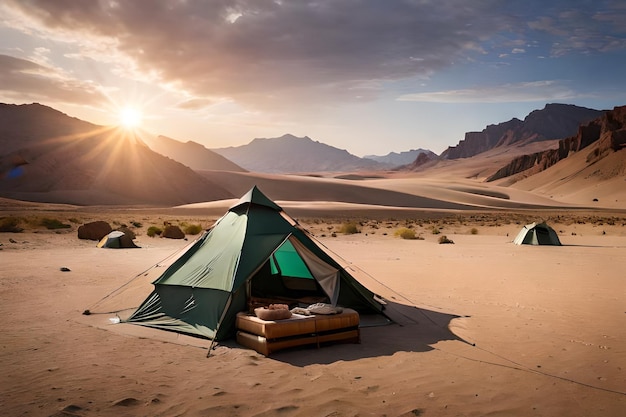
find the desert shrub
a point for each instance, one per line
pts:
(444, 239)
(75, 220)
(349, 228)
(136, 224)
(436, 231)
(10, 224)
(474, 231)
(406, 233)
(192, 229)
(154, 231)
(54, 224)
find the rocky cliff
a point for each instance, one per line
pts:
(554, 121)
(607, 133)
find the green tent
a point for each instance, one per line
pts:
(537, 234)
(254, 251)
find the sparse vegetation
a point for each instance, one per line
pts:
(54, 224)
(349, 228)
(406, 233)
(10, 225)
(154, 231)
(436, 230)
(474, 231)
(192, 229)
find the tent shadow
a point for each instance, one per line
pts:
(413, 330)
(593, 246)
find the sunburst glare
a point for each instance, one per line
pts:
(130, 117)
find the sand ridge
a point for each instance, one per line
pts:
(486, 327)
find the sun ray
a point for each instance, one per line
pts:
(130, 117)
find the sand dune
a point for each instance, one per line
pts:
(483, 327)
(486, 328)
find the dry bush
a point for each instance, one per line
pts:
(349, 228)
(192, 229)
(154, 231)
(406, 233)
(10, 224)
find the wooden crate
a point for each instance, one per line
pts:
(270, 336)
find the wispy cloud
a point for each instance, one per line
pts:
(26, 80)
(539, 91)
(272, 51)
(270, 54)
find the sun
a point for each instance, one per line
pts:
(130, 117)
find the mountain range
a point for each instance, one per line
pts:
(291, 154)
(395, 159)
(554, 121)
(48, 156)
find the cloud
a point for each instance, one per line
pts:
(582, 27)
(540, 91)
(25, 80)
(264, 51)
(272, 54)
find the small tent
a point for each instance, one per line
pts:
(537, 234)
(255, 251)
(117, 239)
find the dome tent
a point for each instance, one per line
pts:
(537, 234)
(117, 240)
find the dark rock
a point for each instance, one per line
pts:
(173, 232)
(94, 230)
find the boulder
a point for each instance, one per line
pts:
(173, 232)
(94, 230)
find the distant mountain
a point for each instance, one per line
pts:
(31, 123)
(192, 154)
(554, 121)
(394, 159)
(47, 156)
(290, 154)
(602, 138)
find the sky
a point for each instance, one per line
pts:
(368, 76)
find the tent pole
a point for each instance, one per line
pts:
(219, 324)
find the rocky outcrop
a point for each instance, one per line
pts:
(608, 133)
(554, 121)
(421, 160)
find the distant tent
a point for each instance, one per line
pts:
(254, 252)
(117, 240)
(537, 234)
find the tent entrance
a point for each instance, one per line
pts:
(293, 273)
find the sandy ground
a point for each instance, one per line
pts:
(486, 328)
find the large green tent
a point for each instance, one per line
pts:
(537, 234)
(254, 250)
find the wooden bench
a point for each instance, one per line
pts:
(270, 336)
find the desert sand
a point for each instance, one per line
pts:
(483, 326)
